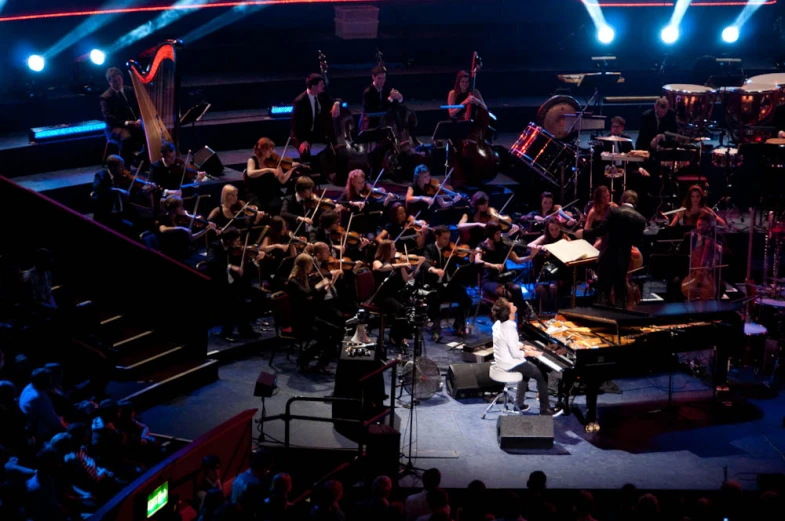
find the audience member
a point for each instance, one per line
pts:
(328, 506)
(276, 506)
(475, 506)
(38, 407)
(378, 506)
(417, 504)
(13, 433)
(647, 508)
(510, 507)
(43, 502)
(107, 440)
(211, 478)
(212, 501)
(537, 507)
(438, 503)
(584, 505)
(248, 488)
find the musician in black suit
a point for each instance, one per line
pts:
(108, 198)
(311, 117)
(654, 123)
(623, 228)
(167, 172)
(377, 98)
(439, 268)
(121, 113)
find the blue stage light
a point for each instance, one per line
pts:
(670, 34)
(36, 62)
(97, 56)
(606, 34)
(730, 34)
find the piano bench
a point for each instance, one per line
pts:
(510, 381)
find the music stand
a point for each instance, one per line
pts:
(192, 115)
(374, 135)
(573, 254)
(451, 131)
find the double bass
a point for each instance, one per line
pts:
(474, 160)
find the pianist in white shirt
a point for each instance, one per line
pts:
(509, 355)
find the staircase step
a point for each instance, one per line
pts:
(147, 358)
(174, 380)
(132, 337)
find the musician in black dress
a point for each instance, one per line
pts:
(234, 211)
(548, 281)
(492, 254)
(266, 184)
(438, 273)
(460, 95)
(226, 271)
(403, 228)
(176, 230)
(418, 200)
(654, 123)
(121, 113)
(623, 229)
(312, 316)
(391, 274)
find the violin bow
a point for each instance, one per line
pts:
(235, 217)
(280, 159)
(136, 174)
(310, 216)
(446, 264)
(406, 227)
(185, 168)
(373, 186)
(242, 261)
(441, 185)
(500, 212)
(193, 215)
(346, 235)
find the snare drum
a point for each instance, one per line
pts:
(724, 157)
(693, 104)
(542, 151)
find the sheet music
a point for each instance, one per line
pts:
(571, 251)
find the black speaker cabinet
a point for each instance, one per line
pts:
(348, 373)
(266, 383)
(382, 448)
(524, 432)
(471, 380)
(207, 160)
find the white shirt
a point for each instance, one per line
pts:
(507, 351)
(314, 108)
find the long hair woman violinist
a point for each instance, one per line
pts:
(313, 317)
(233, 211)
(266, 175)
(391, 275)
(548, 280)
(177, 229)
(361, 195)
(425, 191)
(480, 213)
(404, 228)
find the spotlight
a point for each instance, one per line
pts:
(36, 63)
(730, 34)
(98, 57)
(605, 34)
(670, 34)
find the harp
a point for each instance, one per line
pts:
(157, 89)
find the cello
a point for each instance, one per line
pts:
(474, 159)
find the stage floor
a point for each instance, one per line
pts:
(641, 441)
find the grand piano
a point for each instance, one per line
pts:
(595, 344)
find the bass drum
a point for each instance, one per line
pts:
(550, 115)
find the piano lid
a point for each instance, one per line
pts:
(647, 314)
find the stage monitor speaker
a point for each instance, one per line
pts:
(348, 374)
(524, 432)
(207, 160)
(471, 380)
(382, 448)
(266, 383)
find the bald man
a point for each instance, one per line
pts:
(654, 123)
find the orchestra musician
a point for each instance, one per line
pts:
(224, 266)
(420, 195)
(400, 220)
(547, 287)
(300, 207)
(437, 254)
(491, 254)
(601, 203)
(121, 113)
(107, 195)
(312, 117)
(472, 223)
(377, 98)
(176, 228)
(167, 172)
(654, 123)
(623, 228)
(510, 354)
(695, 204)
(364, 201)
(315, 318)
(460, 95)
(265, 183)
(547, 208)
(391, 275)
(233, 209)
(278, 246)
(343, 290)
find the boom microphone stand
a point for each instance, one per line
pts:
(408, 468)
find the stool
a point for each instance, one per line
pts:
(510, 381)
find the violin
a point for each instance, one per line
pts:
(400, 257)
(325, 204)
(505, 221)
(185, 219)
(460, 253)
(285, 163)
(377, 194)
(434, 186)
(352, 238)
(345, 264)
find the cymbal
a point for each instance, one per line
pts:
(617, 139)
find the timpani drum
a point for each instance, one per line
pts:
(693, 104)
(751, 104)
(725, 157)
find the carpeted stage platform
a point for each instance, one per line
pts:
(642, 441)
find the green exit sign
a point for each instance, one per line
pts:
(158, 499)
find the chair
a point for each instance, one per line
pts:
(510, 380)
(282, 315)
(482, 298)
(366, 288)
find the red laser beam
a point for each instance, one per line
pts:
(643, 3)
(123, 10)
